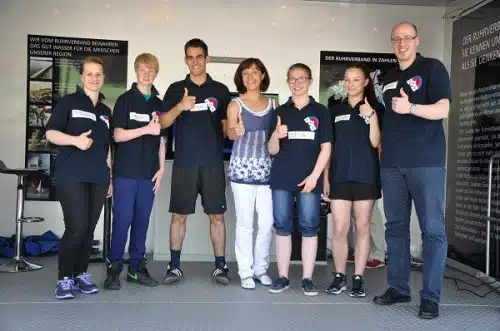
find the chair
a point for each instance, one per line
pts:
(18, 263)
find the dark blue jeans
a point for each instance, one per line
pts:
(426, 187)
(132, 204)
(308, 205)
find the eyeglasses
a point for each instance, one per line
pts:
(405, 39)
(301, 80)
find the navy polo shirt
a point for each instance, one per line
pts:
(408, 140)
(75, 114)
(136, 158)
(308, 128)
(199, 140)
(354, 158)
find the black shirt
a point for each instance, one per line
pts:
(408, 140)
(136, 158)
(308, 128)
(75, 114)
(354, 158)
(199, 140)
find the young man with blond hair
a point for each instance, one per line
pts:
(138, 170)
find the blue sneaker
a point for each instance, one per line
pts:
(84, 284)
(279, 285)
(64, 289)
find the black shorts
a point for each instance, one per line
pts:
(352, 191)
(209, 182)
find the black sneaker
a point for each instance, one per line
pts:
(338, 285)
(279, 285)
(391, 296)
(172, 275)
(358, 291)
(112, 281)
(428, 309)
(220, 275)
(308, 287)
(141, 276)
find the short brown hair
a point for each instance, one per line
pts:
(245, 64)
(149, 60)
(91, 59)
(300, 66)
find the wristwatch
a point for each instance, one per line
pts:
(413, 109)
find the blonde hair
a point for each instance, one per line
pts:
(149, 60)
(91, 59)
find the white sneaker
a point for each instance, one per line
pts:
(264, 279)
(248, 283)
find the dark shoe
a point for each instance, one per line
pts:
(338, 284)
(112, 281)
(220, 275)
(173, 275)
(64, 289)
(358, 290)
(428, 309)
(84, 284)
(279, 285)
(141, 276)
(391, 296)
(308, 287)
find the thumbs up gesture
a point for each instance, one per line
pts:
(187, 101)
(401, 105)
(281, 130)
(83, 141)
(153, 128)
(238, 128)
(365, 109)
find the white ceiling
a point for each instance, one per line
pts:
(436, 3)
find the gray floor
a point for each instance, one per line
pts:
(27, 303)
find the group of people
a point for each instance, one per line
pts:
(284, 159)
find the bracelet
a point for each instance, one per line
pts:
(367, 118)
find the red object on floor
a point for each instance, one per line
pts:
(371, 264)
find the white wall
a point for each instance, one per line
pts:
(279, 35)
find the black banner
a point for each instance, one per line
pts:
(334, 64)
(474, 137)
(53, 71)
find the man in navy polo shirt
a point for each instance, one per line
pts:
(138, 169)
(417, 98)
(196, 106)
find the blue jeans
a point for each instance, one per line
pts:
(425, 185)
(132, 204)
(308, 205)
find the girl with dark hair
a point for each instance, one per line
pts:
(249, 123)
(354, 174)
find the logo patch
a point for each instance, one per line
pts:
(212, 103)
(139, 117)
(105, 119)
(415, 82)
(313, 122)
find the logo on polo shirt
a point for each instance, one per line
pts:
(415, 82)
(155, 114)
(77, 113)
(105, 119)
(313, 122)
(211, 103)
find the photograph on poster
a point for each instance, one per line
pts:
(41, 68)
(39, 115)
(334, 64)
(38, 186)
(37, 142)
(68, 77)
(40, 92)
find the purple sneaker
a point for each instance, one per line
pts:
(84, 284)
(64, 289)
